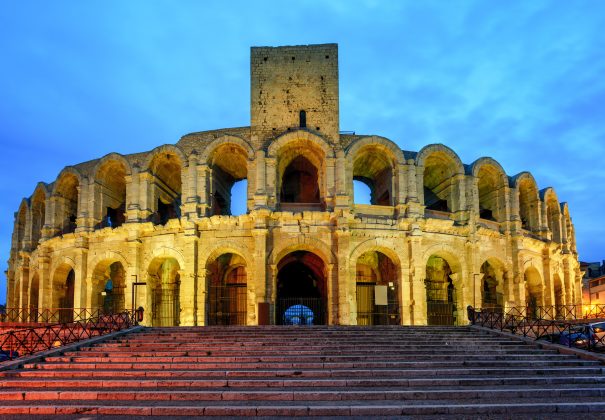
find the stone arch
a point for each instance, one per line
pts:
(553, 213)
(108, 283)
(20, 225)
(303, 243)
(165, 164)
(494, 284)
(110, 190)
(375, 162)
(226, 247)
(377, 271)
(163, 288)
(39, 202)
(210, 149)
(228, 159)
(446, 252)
(377, 244)
(296, 135)
(439, 185)
(34, 295)
(492, 182)
(301, 170)
(529, 200)
(113, 156)
(227, 280)
(534, 290)
(63, 288)
(165, 252)
(443, 284)
(66, 198)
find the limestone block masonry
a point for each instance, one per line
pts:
(154, 229)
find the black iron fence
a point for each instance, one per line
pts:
(27, 341)
(48, 315)
(585, 332)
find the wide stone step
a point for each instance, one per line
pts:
(208, 382)
(302, 395)
(203, 363)
(329, 408)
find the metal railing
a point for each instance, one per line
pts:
(48, 315)
(584, 332)
(27, 341)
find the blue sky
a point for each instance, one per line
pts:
(519, 81)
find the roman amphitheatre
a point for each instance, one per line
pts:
(437, 235)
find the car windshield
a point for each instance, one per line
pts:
(599, 328)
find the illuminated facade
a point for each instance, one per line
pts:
(438, 235)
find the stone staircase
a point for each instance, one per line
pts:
(444, 372)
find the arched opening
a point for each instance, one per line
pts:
(66, 194)
(111, 194)
(63, 292)
(38, 214)
(492, 202)
(300, 182)
(301, 289)
(373, 167)
(377, 290)
(440, 292)
(109, 284)
(300, 176)
(229, 165)
(529, 205)
(227, 291)
(166, 186)
(533, 292)
(34, 291)
(559, 295)
(20, 227)
(492, 287)
(553, 216)
(438, 182)
(163, 288)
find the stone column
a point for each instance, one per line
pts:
(133, 206)
(192, 199)
(332, 309)
(258, 271)
(186, 297)
(260, 196)
(347, 302)
(82, 288)
(271, 187)
(203, 189)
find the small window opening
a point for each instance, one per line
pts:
(486, 214)
(303, 119)
(115, 217)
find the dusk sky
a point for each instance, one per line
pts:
(520, 81)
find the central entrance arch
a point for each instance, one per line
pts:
(301, 290)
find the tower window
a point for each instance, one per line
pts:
(303, 119)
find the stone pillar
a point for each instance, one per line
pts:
(462, 298)
(271, 187)
(343, 198)
(146, 195)
(82, 290)
(132, 196)
(203, 189)
(186, 297)
(259, 271)
(332, 300)
(347, 300)
(330, 184)
(45, 286)
(260, 196)
(192, 199)
(84, 219)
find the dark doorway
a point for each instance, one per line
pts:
(67, 302)
(300, 290)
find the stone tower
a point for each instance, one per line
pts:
(294, 87)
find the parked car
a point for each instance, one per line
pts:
(587, 336)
